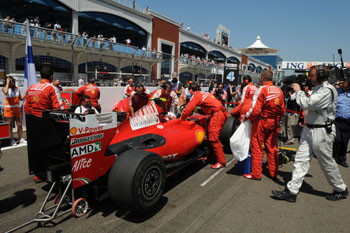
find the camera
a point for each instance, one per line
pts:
(301, 79)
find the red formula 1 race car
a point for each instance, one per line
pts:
(128, 160)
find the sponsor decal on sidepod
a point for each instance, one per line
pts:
(86, 149)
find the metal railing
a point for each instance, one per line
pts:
(132, 5)
(196, 62)
(57, 36)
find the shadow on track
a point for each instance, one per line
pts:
(107, 207)
(22, 198)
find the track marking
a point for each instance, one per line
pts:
(13, 147)
(215, 174)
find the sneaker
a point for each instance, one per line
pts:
(204, 158)
(218, 165)
(37, 180)
(13, 142)
(336, 196)
(22, 141)
(284, 195)
(251, 177)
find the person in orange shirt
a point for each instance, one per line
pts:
(12, 111)
(93, 92)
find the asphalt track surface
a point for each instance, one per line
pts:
(197, 199)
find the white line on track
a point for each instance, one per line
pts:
(215, 174)
(13, 147)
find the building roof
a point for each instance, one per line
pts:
(258, 47)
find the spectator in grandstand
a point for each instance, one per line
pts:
(129, 88)
(113, 39)
(138, 98)
(37, 20)
(220, 93)
(128, 42)
(7, 23)
(57, 26)
(93, 92)
(12, 110)
(86, 106)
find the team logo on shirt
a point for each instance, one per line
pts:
(277, 100)
(36, 98)
(93, 92)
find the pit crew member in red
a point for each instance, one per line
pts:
(93, 92)
(247, 97)
(266, 111)
(43, 95)
(129, 88)
(138, 99)
(168, 98)
(210, 106)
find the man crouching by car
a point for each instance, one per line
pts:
(213, 107)
(86, 106)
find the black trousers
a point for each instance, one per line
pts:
(341, 139)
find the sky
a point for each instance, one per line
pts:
(307, 30)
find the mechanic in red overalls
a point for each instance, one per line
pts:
(42, 96)
(247, 97)
(210, 106)
(93, 92)
(168, 98)
(138, 99)
(266, 112)
(129, 88)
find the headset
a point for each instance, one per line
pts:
(322, 73)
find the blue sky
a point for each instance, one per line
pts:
(304, 30)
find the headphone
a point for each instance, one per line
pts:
(322, 73)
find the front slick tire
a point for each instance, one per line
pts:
(136, 180)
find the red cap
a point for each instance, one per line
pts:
(190, 82)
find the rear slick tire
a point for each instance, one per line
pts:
(228, 129)
(136, 180)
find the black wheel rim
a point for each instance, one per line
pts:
(81, 208)
(152, 182)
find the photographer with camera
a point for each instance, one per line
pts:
(317, 137)
(86, 106)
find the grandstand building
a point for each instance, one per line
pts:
(109, 39)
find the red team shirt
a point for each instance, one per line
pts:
(42, 96)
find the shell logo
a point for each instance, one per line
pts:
(277, 100)
(200, 136)
(35, 98)
(73, 130)
(92, 92)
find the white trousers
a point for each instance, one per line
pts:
(316, 142)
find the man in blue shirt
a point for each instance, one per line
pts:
(342, 124)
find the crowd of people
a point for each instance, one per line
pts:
(321, 110)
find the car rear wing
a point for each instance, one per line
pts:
(71, 143)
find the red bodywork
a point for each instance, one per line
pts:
(181, 137)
